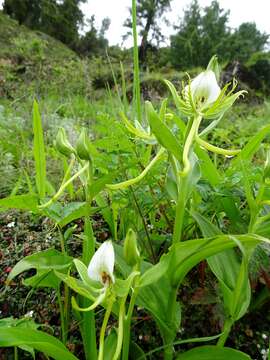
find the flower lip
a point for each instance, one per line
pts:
(102, 263)
(204, 88)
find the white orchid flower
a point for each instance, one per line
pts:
(102, 264)
(204, 89)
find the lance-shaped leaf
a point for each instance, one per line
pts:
(230, 272)
(163, 134)
(49, 345)
(63, 215)
(213, 352)
(25, 323)
(22, 202)
(39, 151)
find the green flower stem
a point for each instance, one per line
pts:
(259, 221)
(216, 149)
(63, 187)
(172, 303)
(62, 316)
(103, 329)
(62, 241)
(120, 330)
(16, 356)
(88, 326)
(67, 169)
(255, 218)
(138, 178)
(127, 323)
(66, 309)
(188, 144)
(137, 92)
(183, 181)
(180, 210)
(226, 331)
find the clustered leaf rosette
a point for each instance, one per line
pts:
(202, 96)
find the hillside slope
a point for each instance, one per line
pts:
(17, 40)
(34, 63)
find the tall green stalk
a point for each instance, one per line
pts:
(103, 329)
(62, 317)
(180, 210)
(172, 303)
(226, 331)
(127, 323)
(183, 186)
(136, 89)
(88, 326)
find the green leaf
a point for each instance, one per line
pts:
(22, 202)
(106, 211)
(182, 257)
(185, 341)
(82, 270)
(99, 184)
(208, 169)
(39, 152)
(136, 352)
(77, 285)
(163, 134)
(231, 274)
(73, 211)
(10, 336)
(110, 345)
(25, 323)
(253, 145)
(190, 253)
(249, 149)
(122, 287)
(207, 228)
(171, 185)
(153, 297)
(63, 215)
(44, 262)
(209, 352)
(154, 273)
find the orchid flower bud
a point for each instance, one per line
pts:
(101, 265)
(214, 66)
(267, 165)
(131, 252)
(82, 147)
(62, 144)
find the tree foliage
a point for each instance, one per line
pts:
(94, 41)
(149, 13)
(61, 20)
(205, 32)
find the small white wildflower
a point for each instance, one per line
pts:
(204, 88)
(11, 224)
(29, 313)
(102, 264)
